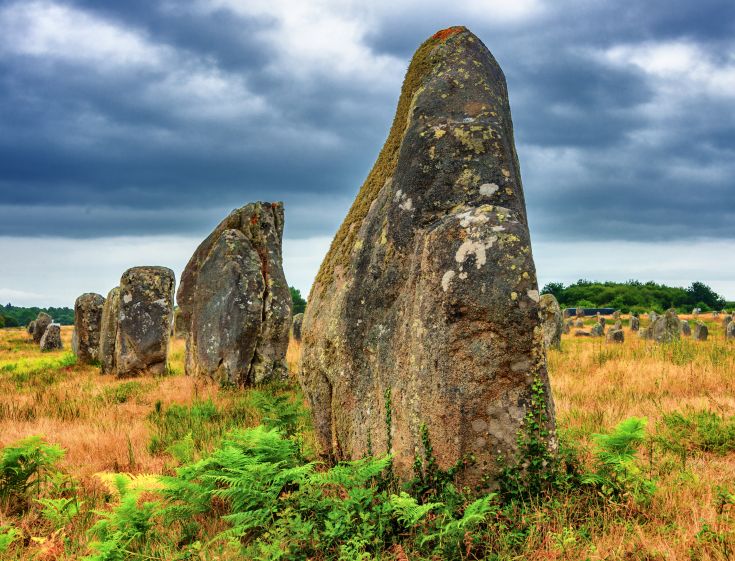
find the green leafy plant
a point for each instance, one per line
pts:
(24, 467)
(59, 511)
(8, 535)
(617, 474)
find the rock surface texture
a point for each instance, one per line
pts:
(686, 329)
(635, 323)
(666, 328)
(426, 308)
(51, 340)
(146, 299)
(235, 302)
(87, 324)
(552, 321)
(108, 330)
(615, 336)
(43, 320)
(730, 331)
(700, 331)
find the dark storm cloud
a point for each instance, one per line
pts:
(205, 115)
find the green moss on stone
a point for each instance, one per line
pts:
(343, 242)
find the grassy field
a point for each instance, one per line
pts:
(152, 426)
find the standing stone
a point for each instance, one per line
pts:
(87, 324)
(565, 312)
(31, 328)
(579, 323)
(551, 321)
(427, 302)
(686, 329)
(700, 331)
(616, 315)
(617, 325)
(635, 323)
(653, 316)
(598, 330)
(730, 331)
(666, 328)
(646, 333)
(51, 340)
(146, 302)
(39, 327)
(615, 336)
(726, 321)
(580, 312)
(108, 331)
(235, 302)
(296, 327)
(180, 327)
(568, 326)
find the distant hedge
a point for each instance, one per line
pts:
(13, 316)
(635, 296)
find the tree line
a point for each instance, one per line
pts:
(636, 296)
(15, 316)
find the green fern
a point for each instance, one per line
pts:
(408, 511)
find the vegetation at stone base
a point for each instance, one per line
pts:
(253, 488)
(14, 316)
(635, 296)
(299, 304)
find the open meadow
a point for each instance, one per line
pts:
(668, 495)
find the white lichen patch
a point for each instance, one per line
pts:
(447, 279)
(488, 189)
(127, 298)
(406, 205)
(475, 247)
(533, 295)
(403, 200)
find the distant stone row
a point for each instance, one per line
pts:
(129, 331)
(45, 332)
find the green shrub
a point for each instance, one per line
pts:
(617, 474)
(24, 467)
(705, 431)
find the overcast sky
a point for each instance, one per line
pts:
(129, 129)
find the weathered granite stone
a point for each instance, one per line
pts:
(645, 333)
(427, 302)
(565, 313)
(146, 301)
(730, 331)
(180, 328)
(617, 325)
(579, 312)
(552, 322)
(296, 327)
(700, 331)
(635, 323)
(51, 340)
(579, 323)
(686, 329)
(616, 315)
(43, 320)
(568, 326)
(601, 320)
(726, 321)
(666, 328)
(87, 324)
(108, 331)
(597, 330)
(31, 328)
(615, 336)
(652, 317)
(235, 302)
(582, 333)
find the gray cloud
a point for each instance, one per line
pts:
(157, 117)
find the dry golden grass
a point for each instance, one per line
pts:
(595, 386)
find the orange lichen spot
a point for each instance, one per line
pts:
(254, 219)
(444, 34)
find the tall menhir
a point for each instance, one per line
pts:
(428, 293)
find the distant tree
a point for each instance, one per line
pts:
(299, 304)
(2, 321)
(555, 288)
(698, 293)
